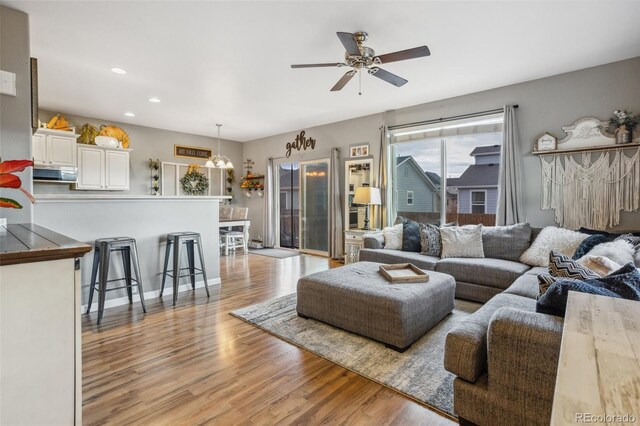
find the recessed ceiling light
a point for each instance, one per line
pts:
(129, 114)
(154, 100)
(118, 70)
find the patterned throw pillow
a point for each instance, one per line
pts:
(560, 266)
(623, 283)
(393, 237)
(564, 267)
(462, 241)
(430, 240)
(631, 239)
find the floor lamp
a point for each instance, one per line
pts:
(367, 196)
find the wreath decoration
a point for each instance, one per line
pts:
(194, 183)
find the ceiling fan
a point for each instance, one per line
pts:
(360, 58)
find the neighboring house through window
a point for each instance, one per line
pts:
(446, 171)
(478, 202)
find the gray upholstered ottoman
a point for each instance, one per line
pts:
(358, 299)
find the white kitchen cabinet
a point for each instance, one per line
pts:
(102, 169)
(54, 148)
(117, 170)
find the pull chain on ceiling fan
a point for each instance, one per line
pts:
(360, 57)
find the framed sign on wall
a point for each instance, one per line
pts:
(192, 152)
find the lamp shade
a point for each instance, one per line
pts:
(367, 195)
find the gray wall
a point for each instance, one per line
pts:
(15, 112)
(545, 105)
(146, 220)
(147, 142)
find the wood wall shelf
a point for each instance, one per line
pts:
(254, 177)
(587, 149)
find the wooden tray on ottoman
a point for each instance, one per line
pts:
(403, 273)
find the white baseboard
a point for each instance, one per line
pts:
(168, 289)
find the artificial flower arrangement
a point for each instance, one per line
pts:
(9, 180)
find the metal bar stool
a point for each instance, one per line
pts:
(101, 260)
(176, 240)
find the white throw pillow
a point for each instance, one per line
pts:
(601, 265)
(393, 237)
(550, 238)
(619, 251)
(462, 241)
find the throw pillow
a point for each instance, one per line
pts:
(393, 237)
(564, 267)
(544, 282)
(560, 266)
(623, 283)
(462, 241)
(552, 238)
(410, 234)
(506, 242)
(430, 242)
(620, 251)
(589, 243)
(610, 235)
(601, 265)
(630, 238)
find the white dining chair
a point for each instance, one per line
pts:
(236, 239)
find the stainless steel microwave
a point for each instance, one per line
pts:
(56, 174)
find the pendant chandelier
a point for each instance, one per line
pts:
(219, 161)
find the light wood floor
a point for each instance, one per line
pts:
(196, 364)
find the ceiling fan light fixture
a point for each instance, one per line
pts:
(360, 57)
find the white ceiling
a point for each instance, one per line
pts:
(228, 62)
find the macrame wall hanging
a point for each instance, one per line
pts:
(590, 183)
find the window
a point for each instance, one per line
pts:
(478, 202)
(409, 198)
(454, 170)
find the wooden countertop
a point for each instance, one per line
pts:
(27, 242)
(599, 365)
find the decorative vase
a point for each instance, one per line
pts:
(622, 135)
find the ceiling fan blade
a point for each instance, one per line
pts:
(349, 42)
(388, 77)
(402, 55)
(343, 81)
(335, 64)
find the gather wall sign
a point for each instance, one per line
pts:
(300, 143)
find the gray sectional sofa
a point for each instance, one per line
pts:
(505, 355)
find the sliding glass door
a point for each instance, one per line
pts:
(314, 206)
(289, 204)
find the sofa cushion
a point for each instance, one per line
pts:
(537, 270)
(430, 242)
(589, 243)
(525, 286)
(465, 353)
(410, 235)
(506, 242)
(392, 237)
(373, 241)
(490, 272)
(462, 241)
(550, 238)
(398, 256)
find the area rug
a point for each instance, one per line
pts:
(417, 373)
(277, 253)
